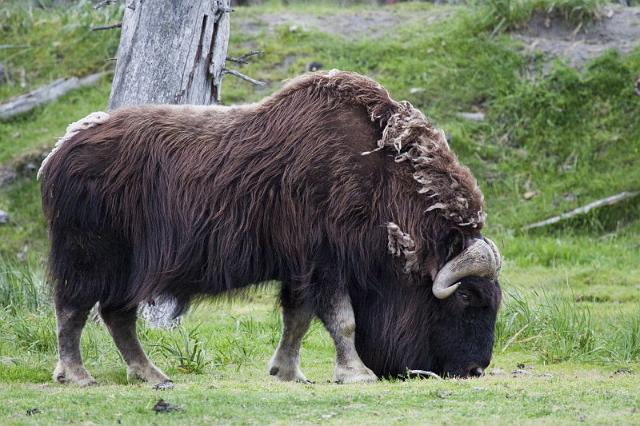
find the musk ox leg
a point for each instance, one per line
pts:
(122, 326)
(71, 320)
(339, 319)
(296, 317)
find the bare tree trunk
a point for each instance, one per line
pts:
(171, 51)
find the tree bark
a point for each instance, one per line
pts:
(171, 51)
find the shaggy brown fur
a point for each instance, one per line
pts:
(191, 201)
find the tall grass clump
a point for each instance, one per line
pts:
(26, 314)
(22, 287)
(623, 343)
(557, 329)
(505, 15)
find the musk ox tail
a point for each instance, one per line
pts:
(91, 120)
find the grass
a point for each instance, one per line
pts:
(570, 312)
(54, 43)
(505, 15)
(231, 385)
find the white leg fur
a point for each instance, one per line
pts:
(285, 363)
(341, 324)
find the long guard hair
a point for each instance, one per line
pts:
(304, 187)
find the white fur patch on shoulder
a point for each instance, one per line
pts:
(91, 120)
(401, 244)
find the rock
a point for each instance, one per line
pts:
(623, 371)
(313, 66)
(329, 415)
(415, 90)
(529, 195)
(6, 176)
(163, 406)
(23, 253)
(30, 167)
(33, 411)
(4, 217)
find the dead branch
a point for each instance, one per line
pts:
(424, 373)
(107, 27)
(471, 116)
(613, 199)
(44, 94)
(14, 46)
(243, 77)
(244, 59)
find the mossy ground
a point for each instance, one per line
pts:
(571, 291)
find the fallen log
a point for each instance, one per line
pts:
(45, 94)
(613, 199)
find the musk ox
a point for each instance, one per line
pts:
(351, 200)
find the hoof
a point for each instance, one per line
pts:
(287, 372)
(84, 383)
(147, 373)
(77, 374)
(347, 375)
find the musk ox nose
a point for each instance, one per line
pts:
(475, 371)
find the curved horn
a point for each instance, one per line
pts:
(481, 259)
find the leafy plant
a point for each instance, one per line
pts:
(186, 348)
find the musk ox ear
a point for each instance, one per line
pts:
(402, 245)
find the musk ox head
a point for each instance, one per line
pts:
(435, 309)
(445, 325)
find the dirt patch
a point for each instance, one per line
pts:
(349, 25)
(618, 28)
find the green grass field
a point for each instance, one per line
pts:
(568, 335)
